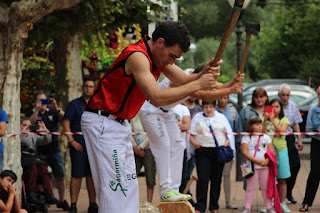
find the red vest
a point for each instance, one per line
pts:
(118, 93)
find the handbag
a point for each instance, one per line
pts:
(225, 153)
(247, 167)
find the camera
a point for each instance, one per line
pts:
(34, 127)
(45, 101)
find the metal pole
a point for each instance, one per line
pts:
(239, 156)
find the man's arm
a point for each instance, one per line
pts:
(179, 77)
(138, 65)
(16, 204)
(215, 94)
(66, 128)
(55, 107)
(3, 128)
(296, 128)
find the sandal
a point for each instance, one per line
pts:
(304, 208)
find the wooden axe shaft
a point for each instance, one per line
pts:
(193, 178)
(232, 23)
(245, 52)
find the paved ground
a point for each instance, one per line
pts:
(236, 191)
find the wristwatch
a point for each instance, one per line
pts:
(59, 110)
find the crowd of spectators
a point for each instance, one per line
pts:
(42, 150)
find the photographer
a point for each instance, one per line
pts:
(47, 110)
(35, 167)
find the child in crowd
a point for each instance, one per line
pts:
(207, 163)
(275, 122)
(256, 155)
(9, 201)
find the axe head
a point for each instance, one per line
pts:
(252, 28)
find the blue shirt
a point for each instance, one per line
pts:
(3, 118)
(315, 121)
(73, 113)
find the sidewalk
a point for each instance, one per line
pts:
(237, 193)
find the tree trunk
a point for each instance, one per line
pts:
(16, 20)
(11, 59)
(68, 81)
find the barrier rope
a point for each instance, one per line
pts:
(144, 133)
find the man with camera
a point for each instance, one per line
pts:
(47, 110)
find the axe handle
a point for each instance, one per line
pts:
(232, 23)
(245, 52)
(193, 178)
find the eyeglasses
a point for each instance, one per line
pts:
(87, 86)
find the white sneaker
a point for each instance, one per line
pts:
(245, 211)
(183, 196)
(170, 196)
(284, 207)
(263, 210)
(271, 211)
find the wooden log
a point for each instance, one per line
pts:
(176, 207)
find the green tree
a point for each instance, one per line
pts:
(289, 44)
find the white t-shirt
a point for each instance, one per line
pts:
(181, 111)
(219, 124)
(262, 149)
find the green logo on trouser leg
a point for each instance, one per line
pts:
(115, 187)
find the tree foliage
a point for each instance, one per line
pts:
(289, 44)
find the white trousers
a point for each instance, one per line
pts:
(112, 163)
(167, 147)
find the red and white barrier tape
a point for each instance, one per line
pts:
(144, 133)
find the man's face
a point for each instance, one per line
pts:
(222, 102)
(284, 96)
(166, 55)
(6, 182)
(87, 88)
(43, 106)
(25, 125)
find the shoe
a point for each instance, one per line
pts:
(285, 208)
(231, 206)
(170, 196)
(291, 200)
(32, 198)
(215, 211)
(93, 208)
(271, 211)
(63, 205)
(183, 196)
(50, 199)
(73, 209)
(304, 208)
(245, 211)
(263, 210)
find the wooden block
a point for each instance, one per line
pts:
(176, 207)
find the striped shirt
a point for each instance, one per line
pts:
(293, 114)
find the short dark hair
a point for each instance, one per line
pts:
(199, 68)
(173, 33)
(252, 120)
(281, 114)
(8, 173)
(24, 119)
(210, 102)
(87, 79)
